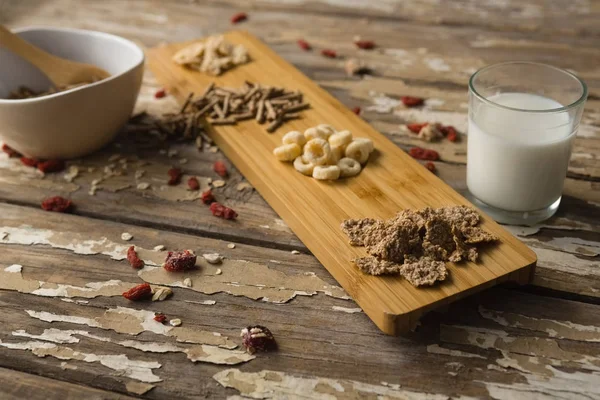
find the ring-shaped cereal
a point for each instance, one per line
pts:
(305, 168)
(326, 129)
(358, 150)
(326, 172)
(317, 151)
(341, 138)
(294, 137)
(314, 133)
(348, 167)
(287, 152)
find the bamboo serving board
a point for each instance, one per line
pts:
(314, 210)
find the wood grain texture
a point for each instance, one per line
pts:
(390, 182)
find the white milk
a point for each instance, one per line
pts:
(517, 161)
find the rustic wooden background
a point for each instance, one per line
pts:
(541, 341)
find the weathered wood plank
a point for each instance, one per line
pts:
(20, 385)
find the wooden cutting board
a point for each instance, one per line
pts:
(314, 210)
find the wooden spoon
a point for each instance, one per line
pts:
(60, 71)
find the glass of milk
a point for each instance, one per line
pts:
(523, 118)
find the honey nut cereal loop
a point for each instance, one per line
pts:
(317, 151)
(326, 172)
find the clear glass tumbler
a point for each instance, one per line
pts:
(523, 118)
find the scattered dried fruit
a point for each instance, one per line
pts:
(239, 17)
(416, 128)
(174, 176)
(430, 133)
(57, 204)
(424, 154)
(138, 292)
(356, 110)
(450, 133)
(410, 101)
(175, 322)
(219, 210)
(193, 183)
(134, 260)
(179, 261)
(213, 258)
(11, 152)
(161, 293)
(304, 45)
(365, 44)
(328, 53)
(159, 317)
(430, 166)
(160, 94)
(30, 162)
(258, 338)
(207, 197)
(220, 168)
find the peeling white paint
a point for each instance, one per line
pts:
(436, 64)
(346, 309)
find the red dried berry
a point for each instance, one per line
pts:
(365, 44)
(258, 338)
(417, 152)
(160, 94)
(239, 17)
(450, 133)
(410, 101)
(356, 110)
(179, 261)
(51, 166)
(30, 162)
(430, 166)
(329, 53)
(57, 204)
(133, 258)
(416, 128)
(193, 183)
(304, 45)
(431, 155)
(220, 168)
(174, 176)
(12, 153)
(207, 197)
(162, 318)
(138, 292)
(221, 211)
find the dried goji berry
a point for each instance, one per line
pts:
(239, 17)
(12, 153)
(51, 166)
(219, 210)
(138, 292)
(174, 176)
(193, 183)
(431, 155)
(417, 152)
(220, 168)
(416, 128)
(160, 94)
(365, 44)
(207, 197)
(258, 338)
(30, 162)
(430, 166)
(451, 133)
(410, 101)
(162, 318)
(179, 261)
(132, 256)
(57, 204)
(304, 45)
(356, 110)
(329, 53)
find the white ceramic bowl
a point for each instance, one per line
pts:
(74, 122)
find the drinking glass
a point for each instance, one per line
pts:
(523, 118)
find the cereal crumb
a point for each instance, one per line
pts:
(213, 149)
(218, 271)
(126, 236)
(218, 183)
(175, 322)
(139, 174)
(172, 153)
(187, 282)
(160, 247)
(183, 161)
(295, 252)
(231, 245)
(243, 186)
(143, 185)
(161, 293)
(213, 258)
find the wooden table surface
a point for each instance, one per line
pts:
(66, 333)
